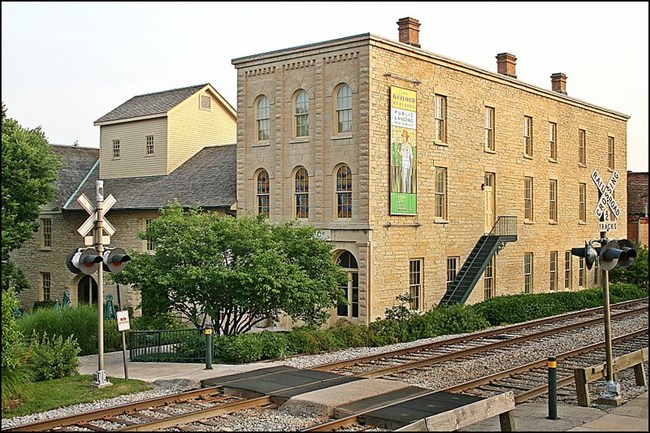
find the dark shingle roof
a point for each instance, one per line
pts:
(150, 104)
(76, 163)
(208, 180)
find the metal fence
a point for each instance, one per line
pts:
(176, 345)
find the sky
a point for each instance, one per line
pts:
(66, 64)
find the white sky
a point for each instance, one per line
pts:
(65, 64)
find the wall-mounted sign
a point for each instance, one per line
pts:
(403, 152)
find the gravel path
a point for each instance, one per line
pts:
(435, 378)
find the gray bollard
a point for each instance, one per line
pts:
(552, 388)
(208, 347)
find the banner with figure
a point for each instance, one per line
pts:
(403, 154)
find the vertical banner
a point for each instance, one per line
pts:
(403, 155)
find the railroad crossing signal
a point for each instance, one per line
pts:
(606, 200)
(89, 224)
(588, 252)
(83, 261)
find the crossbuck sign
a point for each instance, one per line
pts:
(606, 201)
(89, 224)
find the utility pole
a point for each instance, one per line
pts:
(100, 374)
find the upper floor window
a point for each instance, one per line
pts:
(415, 283)
(344, 192)
(263, 188)
(116, 149)
(440, 133)
(46, 232)
(205, 102)
(528, 198)
(489, 128)
(302, 114)
(610, 153)
(582, 207)
(552, 200)
(528, 136)
(263, 119)
(301, 192)
(441, 193)
(344, 108)
(150, 148)
(552, 140)
(582, 147)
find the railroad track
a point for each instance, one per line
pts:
(527, 381)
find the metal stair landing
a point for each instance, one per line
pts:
(503, 231)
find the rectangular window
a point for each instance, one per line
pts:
(205, 102)
(610, 152)
(415, 283)
(116, 149)
(582, 147)
(528, 136)
(596, 273)
(528, 273)
(46, 233)
(528, 198)
(350, 291)
(552, 140)
(441, 193)
(452, 268)
(552, 200)
(489, 129)
(440, 133)
(150, 145)
(488, 279)
(150, 244)
(582, 272)
(46, 286)
(552, 271)
(582, 207)
(568, 272)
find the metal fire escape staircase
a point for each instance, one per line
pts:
(503, 231)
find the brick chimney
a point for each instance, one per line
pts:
(558, 82)
(506, 64)
(409, 31)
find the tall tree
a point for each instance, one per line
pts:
(29, 168)
(239, 271)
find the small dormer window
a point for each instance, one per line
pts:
(116, 149)
(150, 148)
(205, 102)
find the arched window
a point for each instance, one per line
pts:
(263, 188)
(344, 192)
(350, 289)
(302, 193)
(302, 114)
(344, 108)
(263, 123)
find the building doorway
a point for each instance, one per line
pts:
(488, 191)
(87, 290)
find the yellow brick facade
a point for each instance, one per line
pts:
(383, 244)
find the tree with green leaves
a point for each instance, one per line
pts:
(238, 271)
(636, 273)
(29, 168)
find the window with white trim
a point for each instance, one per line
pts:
(301, 193)
(552, 140)
(150, 148)
(552, 271)
(344, 192)
(46, 286)
(205, 102)
(528, 198)
(46, 232)
(489, 129)
(568, 271)
(440, 205)
(440, 113)
(415, 283)
(262, 193)
(344, 109)
(528, 273)
(552, 200)
(528, 136)
(263, 119)
(582, 147)
(116, 149)
(350, 289)
(302, 114)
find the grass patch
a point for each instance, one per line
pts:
(52, 394)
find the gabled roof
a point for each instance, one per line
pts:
(76, 163)
(150, 104)
(208, 179)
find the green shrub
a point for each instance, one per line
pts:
(162, 321)
(14, 372)
(274, 344)
(620, 292)
(303, 340)
(53, 357)
(241, 348)
(635, 274)
(351, 335)
(453, 319)
(43, 304)
(13, 384)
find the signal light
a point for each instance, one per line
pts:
(617, 253)
(588, 252)
(115, 259)
(83, 261)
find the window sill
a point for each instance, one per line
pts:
(529, 222)
(552, 160)
(493, 152)
(526, 156)
(441, 221)
(341, 136)
(150, 155)
(300, 140)
(261, 144)
(553, 223)
(440, 143)
(581, 165)
(582, 223)
(115, 158)
(45, 249)
(611, 170)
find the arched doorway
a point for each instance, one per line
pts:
(351, 289)
(87, 290)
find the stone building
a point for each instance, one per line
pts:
(637, 207)
(409, 162)
(154, 148)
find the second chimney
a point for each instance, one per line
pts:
(409, 31)
(506, 64)
(558, 82)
